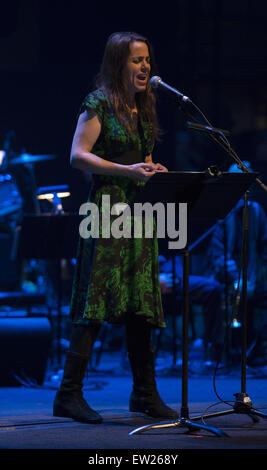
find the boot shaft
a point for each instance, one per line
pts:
(143, 372)
(77, 358)
(74, 372)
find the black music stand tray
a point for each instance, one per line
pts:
(53, 237)
(209, 199)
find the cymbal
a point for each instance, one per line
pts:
(27, 158)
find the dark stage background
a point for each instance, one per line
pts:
(213, 51)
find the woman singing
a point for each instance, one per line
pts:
(116, 279)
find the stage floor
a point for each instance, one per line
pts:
(26, 421)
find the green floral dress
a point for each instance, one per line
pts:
(116, 277)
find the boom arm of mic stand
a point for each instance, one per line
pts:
(212, 131)
(208, 129)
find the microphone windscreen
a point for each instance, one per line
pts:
(154, 81)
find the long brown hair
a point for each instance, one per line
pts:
(110, 80)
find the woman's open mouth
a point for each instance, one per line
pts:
(142, 77)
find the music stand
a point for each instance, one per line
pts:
(53, 237)
(209, 199)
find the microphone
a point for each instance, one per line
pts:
(156, 82)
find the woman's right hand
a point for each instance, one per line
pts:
(141, 171)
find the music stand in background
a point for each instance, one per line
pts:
(210, 198)
(49, 237)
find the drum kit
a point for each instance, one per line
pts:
(10, 197)
(27, 158)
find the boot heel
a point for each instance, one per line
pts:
(74, 406)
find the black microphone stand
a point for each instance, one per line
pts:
(243, 403)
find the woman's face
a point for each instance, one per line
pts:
(137, 68)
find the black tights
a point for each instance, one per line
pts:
(138, 336)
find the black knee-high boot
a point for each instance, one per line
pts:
(69, 401)
(144, 397)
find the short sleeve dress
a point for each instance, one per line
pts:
(116, 277)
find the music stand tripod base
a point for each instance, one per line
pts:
(183, 422)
